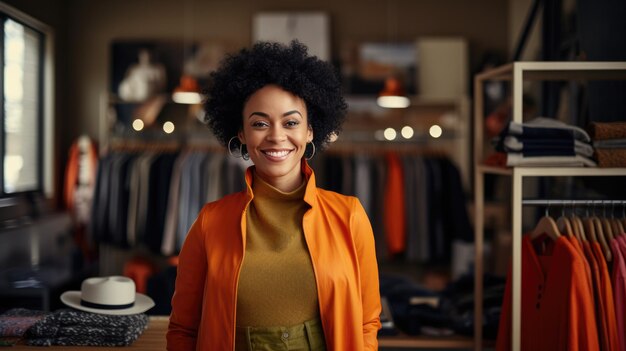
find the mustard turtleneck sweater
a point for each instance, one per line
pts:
(276, 283)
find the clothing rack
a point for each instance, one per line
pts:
(382, 178)
(535, 202)
(151, 164)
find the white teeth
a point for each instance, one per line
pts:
(277, 153)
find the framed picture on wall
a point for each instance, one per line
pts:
(372, 63)
(310, 28)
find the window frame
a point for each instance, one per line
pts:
(45, 111)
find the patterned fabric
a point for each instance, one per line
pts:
(76, 328)
(611, 157)
(16, 321)
(607, 130)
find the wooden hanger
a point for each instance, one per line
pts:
(618, 227)
(606, 225)
(602, 237)
(565, 225)
(577, 223)
(590, 229)
(608, 228)
(581, 229)
(575, 229)
(546, 225)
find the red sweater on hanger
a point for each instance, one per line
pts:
(557, 308)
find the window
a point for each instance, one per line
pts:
(25, 104)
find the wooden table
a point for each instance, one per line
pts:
(152, 339)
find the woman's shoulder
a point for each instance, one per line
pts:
(343, 208)
(227, 204)
(336, 198)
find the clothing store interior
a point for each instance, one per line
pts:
(486, 141)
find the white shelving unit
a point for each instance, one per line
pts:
(517, 73)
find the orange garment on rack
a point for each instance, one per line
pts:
(579, 249)
(394, 215)
(607, 295)
(78, 186)
(600, 307)
(73, 166)
(557, 308)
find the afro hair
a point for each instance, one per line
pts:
(288, 66)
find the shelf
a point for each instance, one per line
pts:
(447, 342)
(569, 171)
(559, 70)
(494, 170)
(553, 171)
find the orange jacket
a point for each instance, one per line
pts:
(341, 244)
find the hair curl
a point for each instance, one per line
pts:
(288, 66)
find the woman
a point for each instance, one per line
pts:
(283, 265)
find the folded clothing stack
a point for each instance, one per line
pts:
(16, 321)
(545, 142)
(76, 328)
(609, 141)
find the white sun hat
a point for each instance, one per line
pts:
(114, 295)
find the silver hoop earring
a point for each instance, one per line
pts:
(243, 150)
(230, 148)
(312, 154)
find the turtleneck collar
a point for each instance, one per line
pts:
(310, 195)
(263, 189)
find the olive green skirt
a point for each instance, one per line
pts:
(308, 336)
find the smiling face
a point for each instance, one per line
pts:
(276, 131)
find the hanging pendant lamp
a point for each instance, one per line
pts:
(188, 91)
(393, 95)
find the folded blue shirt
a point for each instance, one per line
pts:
(545, 128)
(545, 147)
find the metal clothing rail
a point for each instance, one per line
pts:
(536, 202)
